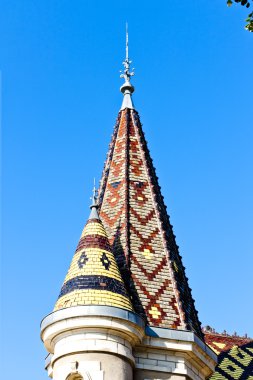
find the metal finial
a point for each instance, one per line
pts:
(94, 205)
(94, 195)
(127, 88)
(126, 40)
(127, 73)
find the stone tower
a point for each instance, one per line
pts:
(125, 310)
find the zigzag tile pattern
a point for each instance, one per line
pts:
(114, 213)
(149, 263)
(135, 218)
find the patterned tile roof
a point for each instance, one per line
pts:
(134, 215)
(93, 277)
(235, 356)
(224, 342)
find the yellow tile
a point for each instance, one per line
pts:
(155, 312)
(147, 254)
(103, 297)
(220, 345)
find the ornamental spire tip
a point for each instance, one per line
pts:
(94, 205)
(127, 88)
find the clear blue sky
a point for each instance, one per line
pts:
(60, 63)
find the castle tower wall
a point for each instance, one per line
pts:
(97, 340)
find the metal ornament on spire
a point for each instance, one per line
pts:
(94, 194)
(94, 205)
(126, 40)
(127, 73)
(127, 88)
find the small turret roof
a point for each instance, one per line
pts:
(93, 277)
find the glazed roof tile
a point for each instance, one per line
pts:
(224, 342)
(93, 277)
(235, 356)
(134, 215)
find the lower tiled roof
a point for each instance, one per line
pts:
(235, 356)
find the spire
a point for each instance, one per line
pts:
(135, 217)
(93, 277)
(127, 88)
(94, 206)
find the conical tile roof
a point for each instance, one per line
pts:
(93, 277)
(134, 215)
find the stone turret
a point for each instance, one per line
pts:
(93, 328)
(125, 310)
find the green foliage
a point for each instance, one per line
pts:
(247, 4)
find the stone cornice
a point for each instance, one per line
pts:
(102, 318)
(185, 343)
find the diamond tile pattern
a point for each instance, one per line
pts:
(134, 215)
